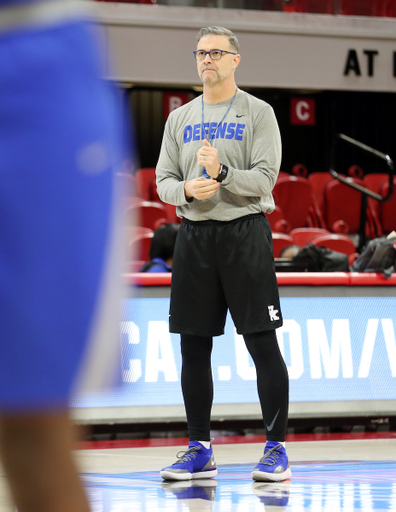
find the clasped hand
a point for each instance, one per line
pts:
(203, 188)
(208, 157)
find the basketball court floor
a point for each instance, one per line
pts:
(331, 473)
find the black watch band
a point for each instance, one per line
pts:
(223, 173)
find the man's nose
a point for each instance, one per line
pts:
(207, 58)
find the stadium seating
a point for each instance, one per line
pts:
(313, 6)
(387, 209)
(341, 203)
(283, 174)
(133, 231)
(345, 7)
(339, 243)
(294, 197)
(153, 194)
(300, 170)
(147, 190)
(318, 181)
(130, 233)
(304, 236)
(147, 214)
(145, 178)
(281, 240)
(139, 247)
(354, 171)
(374, 182)
(277, 221)
(361, 7)
(342, 208)
(388, 8)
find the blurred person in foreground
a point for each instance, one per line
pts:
(161, 249)
(60, 141)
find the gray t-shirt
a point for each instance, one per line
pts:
(248, 143)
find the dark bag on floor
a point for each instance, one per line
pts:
(150, 264)
(321, 259)
(379, 256)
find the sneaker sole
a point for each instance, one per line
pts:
(170, 475)
(260, 476)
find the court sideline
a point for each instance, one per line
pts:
(331, 473)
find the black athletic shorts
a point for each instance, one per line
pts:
(224, 265)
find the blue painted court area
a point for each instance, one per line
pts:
(315, 487)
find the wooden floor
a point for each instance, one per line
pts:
(331, 473)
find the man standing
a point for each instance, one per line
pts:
(218, 164)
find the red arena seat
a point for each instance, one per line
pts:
(281, 240)
(283, 174)
(300, 170)
(354, 171)
(342, 208)
(388, 8)
(318, 181)
(153, 194)
(171, 213)
(294, 196)
(147, 189)
(313, 6)
(134, 231)
(339, 243)
(139, 247)
(147, 214)
(144, 179)
(374, 182)
(277, 221)
(360, 7)
(388, 209)
(304, 236)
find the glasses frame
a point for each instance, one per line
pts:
(209, 52)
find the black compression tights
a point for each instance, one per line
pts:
(272, 383)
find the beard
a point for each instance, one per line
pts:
(209, 78)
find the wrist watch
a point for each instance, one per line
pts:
(223, 173)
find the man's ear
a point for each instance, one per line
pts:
(237, 60)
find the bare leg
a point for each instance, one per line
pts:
(36, 454)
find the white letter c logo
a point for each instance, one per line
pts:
(302, 110)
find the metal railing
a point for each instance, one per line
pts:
(363, 190)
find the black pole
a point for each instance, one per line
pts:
(362, 225)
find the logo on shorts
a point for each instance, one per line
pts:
(273, 313)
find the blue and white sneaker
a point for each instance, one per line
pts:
(274, 495)
(195, 489)
(196, 462)
(274, 465)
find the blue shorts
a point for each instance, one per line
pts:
(59, 144)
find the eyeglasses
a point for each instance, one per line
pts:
(213, 54)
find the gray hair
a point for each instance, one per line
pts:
(220, 31)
